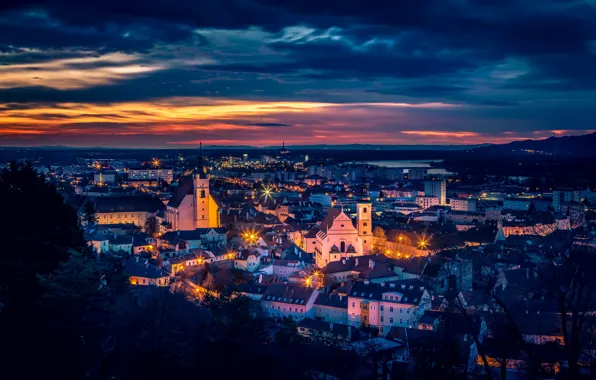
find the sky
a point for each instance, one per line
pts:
(171, 73)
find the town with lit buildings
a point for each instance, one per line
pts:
(352, 253)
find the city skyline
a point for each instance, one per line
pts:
(168, 75)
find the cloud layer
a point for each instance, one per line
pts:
(172, 73)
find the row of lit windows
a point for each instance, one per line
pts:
(381, 308)
(296, 310)
(391, 321)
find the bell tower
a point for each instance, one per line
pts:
(364, 220)
(201, 193)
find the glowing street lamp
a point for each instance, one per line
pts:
(250, 237)
(422, 243)
(155, 162)
(267, 192)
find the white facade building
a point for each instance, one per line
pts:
(436, 189)
(399, 303)
(338, 238)
(288, 301)
(426, 202)
(462, 204)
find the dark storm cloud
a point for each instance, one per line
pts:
(511, 59)
(269, 125)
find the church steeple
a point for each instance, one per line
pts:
(201, 168)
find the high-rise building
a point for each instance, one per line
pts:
(561, 196)
(436, 189)
(103, 177)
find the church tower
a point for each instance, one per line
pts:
(201, 194)
(364, 220)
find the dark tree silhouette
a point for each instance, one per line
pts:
(89, 215)
(151, 225)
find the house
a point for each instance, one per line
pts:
(141, 242)
(288, 301)
(99, 241)
(247, 260)
(283, 269)
(180, 263)
(396, 303)
(143, 273)
(331, 308)
(374, 268)
(121, 244)
(327, 332)
(252, 291)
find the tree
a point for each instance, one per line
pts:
(438, 357)
(83, 333)
(379, 238)
(209, 281)
(152, 225)
(37, 231)
(89, 215)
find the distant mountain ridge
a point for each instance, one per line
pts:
(554, 145)
(353, 147)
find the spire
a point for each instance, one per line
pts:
(500, 236)
(201, 169)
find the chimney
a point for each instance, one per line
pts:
(356, 262)
(371, 264)
(260, 278)
(340, 297)
(343, 261)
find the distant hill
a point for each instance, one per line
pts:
(352, 147)
(584, 145)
